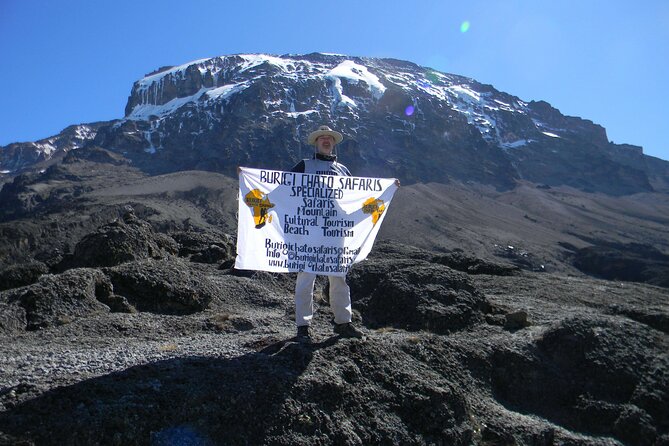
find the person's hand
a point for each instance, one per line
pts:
(239, 170)
(397, 182)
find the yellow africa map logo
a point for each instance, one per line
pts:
(374, 206)
(259, 202)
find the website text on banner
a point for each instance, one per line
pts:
(291, 222)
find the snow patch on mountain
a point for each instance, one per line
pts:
(46, 148)
(143, 112)
(303, 113)
(355, 73)
(224, 92)
(254, 60)
(153, 79)
(465, 93)
(482, 108)
(340, 99)
(85, 133)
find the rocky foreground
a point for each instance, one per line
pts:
(142, 337)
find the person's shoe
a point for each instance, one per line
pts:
(303, 335)
(348, 330)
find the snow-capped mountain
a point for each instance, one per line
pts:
(399, 120)
(18, 156)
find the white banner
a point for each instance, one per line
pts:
(290, 222)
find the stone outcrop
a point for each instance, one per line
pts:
(469, 264)
(627, 262)
(450, 357)
(162, 286)
(123, 240)
(18, 275)
(205, 247)
(56, 300)
(419, 297)
(593, 375)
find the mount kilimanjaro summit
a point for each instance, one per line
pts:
(400, 120)
(517, 293)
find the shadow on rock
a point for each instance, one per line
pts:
(336, 392)
(205, 400)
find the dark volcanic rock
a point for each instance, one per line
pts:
(205, 247)
(586, 374)
(19, 198)
(371, 393)
(472, 265)
(364, 278)
(425, 297)
(519, 257)
(652, 316)
(448, 378)
(122, 241)
(12, 317)
(59, 299)
(632, 262)
(385, 249)
(95, 154)
(22, 274)
(165, 286)
(351, 393)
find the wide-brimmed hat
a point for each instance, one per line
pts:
(325, 130)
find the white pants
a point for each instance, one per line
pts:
(340, 299)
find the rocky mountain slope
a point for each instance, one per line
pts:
(152, 339)
(130, 327)
(401, 120)
(487, 316)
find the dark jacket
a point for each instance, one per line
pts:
(321, 165)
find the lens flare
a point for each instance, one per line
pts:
(409, 110)
(464, 27)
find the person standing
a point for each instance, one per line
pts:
(323, 162)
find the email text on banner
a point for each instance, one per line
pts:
(317, 258)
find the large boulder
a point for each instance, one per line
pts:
(596, 375)
(122, 240)
(456, 259)
(205, 246)
(56, 299)
(22, 274)
(416, 297)
(167, 286)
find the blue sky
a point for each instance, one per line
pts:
(74, 61)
